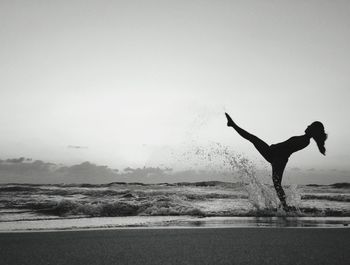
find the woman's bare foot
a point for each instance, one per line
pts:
(288, 208)
(230, 122)
(291, 209)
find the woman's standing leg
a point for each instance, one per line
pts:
(277, 173)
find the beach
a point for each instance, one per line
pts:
(178, 246)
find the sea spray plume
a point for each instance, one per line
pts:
(294, 197)
(260, 195)
(219, 157)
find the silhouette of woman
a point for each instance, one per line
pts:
(277, 154)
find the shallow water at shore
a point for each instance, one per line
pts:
(160, 222)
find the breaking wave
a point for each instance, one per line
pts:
(196, 199)
(327, 197)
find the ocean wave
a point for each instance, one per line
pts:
(333, 197)
(161, 205)
(168, 206)
(19, 188)
(201, 199)
(342, 185)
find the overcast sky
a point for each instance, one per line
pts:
(127, 80)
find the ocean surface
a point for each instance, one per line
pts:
(31, 206)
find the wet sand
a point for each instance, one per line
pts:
(179, 246)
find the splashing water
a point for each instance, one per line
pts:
(219, 157)
(293, 196)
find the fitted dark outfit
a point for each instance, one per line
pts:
(277, 155)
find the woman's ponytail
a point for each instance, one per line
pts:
(319, 135)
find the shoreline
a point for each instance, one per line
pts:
(171, 222)
(163, 228)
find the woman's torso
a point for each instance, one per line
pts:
(284, 149)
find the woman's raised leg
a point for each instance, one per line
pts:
(260, 145)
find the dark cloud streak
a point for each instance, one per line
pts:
(77, 147)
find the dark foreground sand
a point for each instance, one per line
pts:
(178, 246)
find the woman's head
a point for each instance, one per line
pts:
(316, 131)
